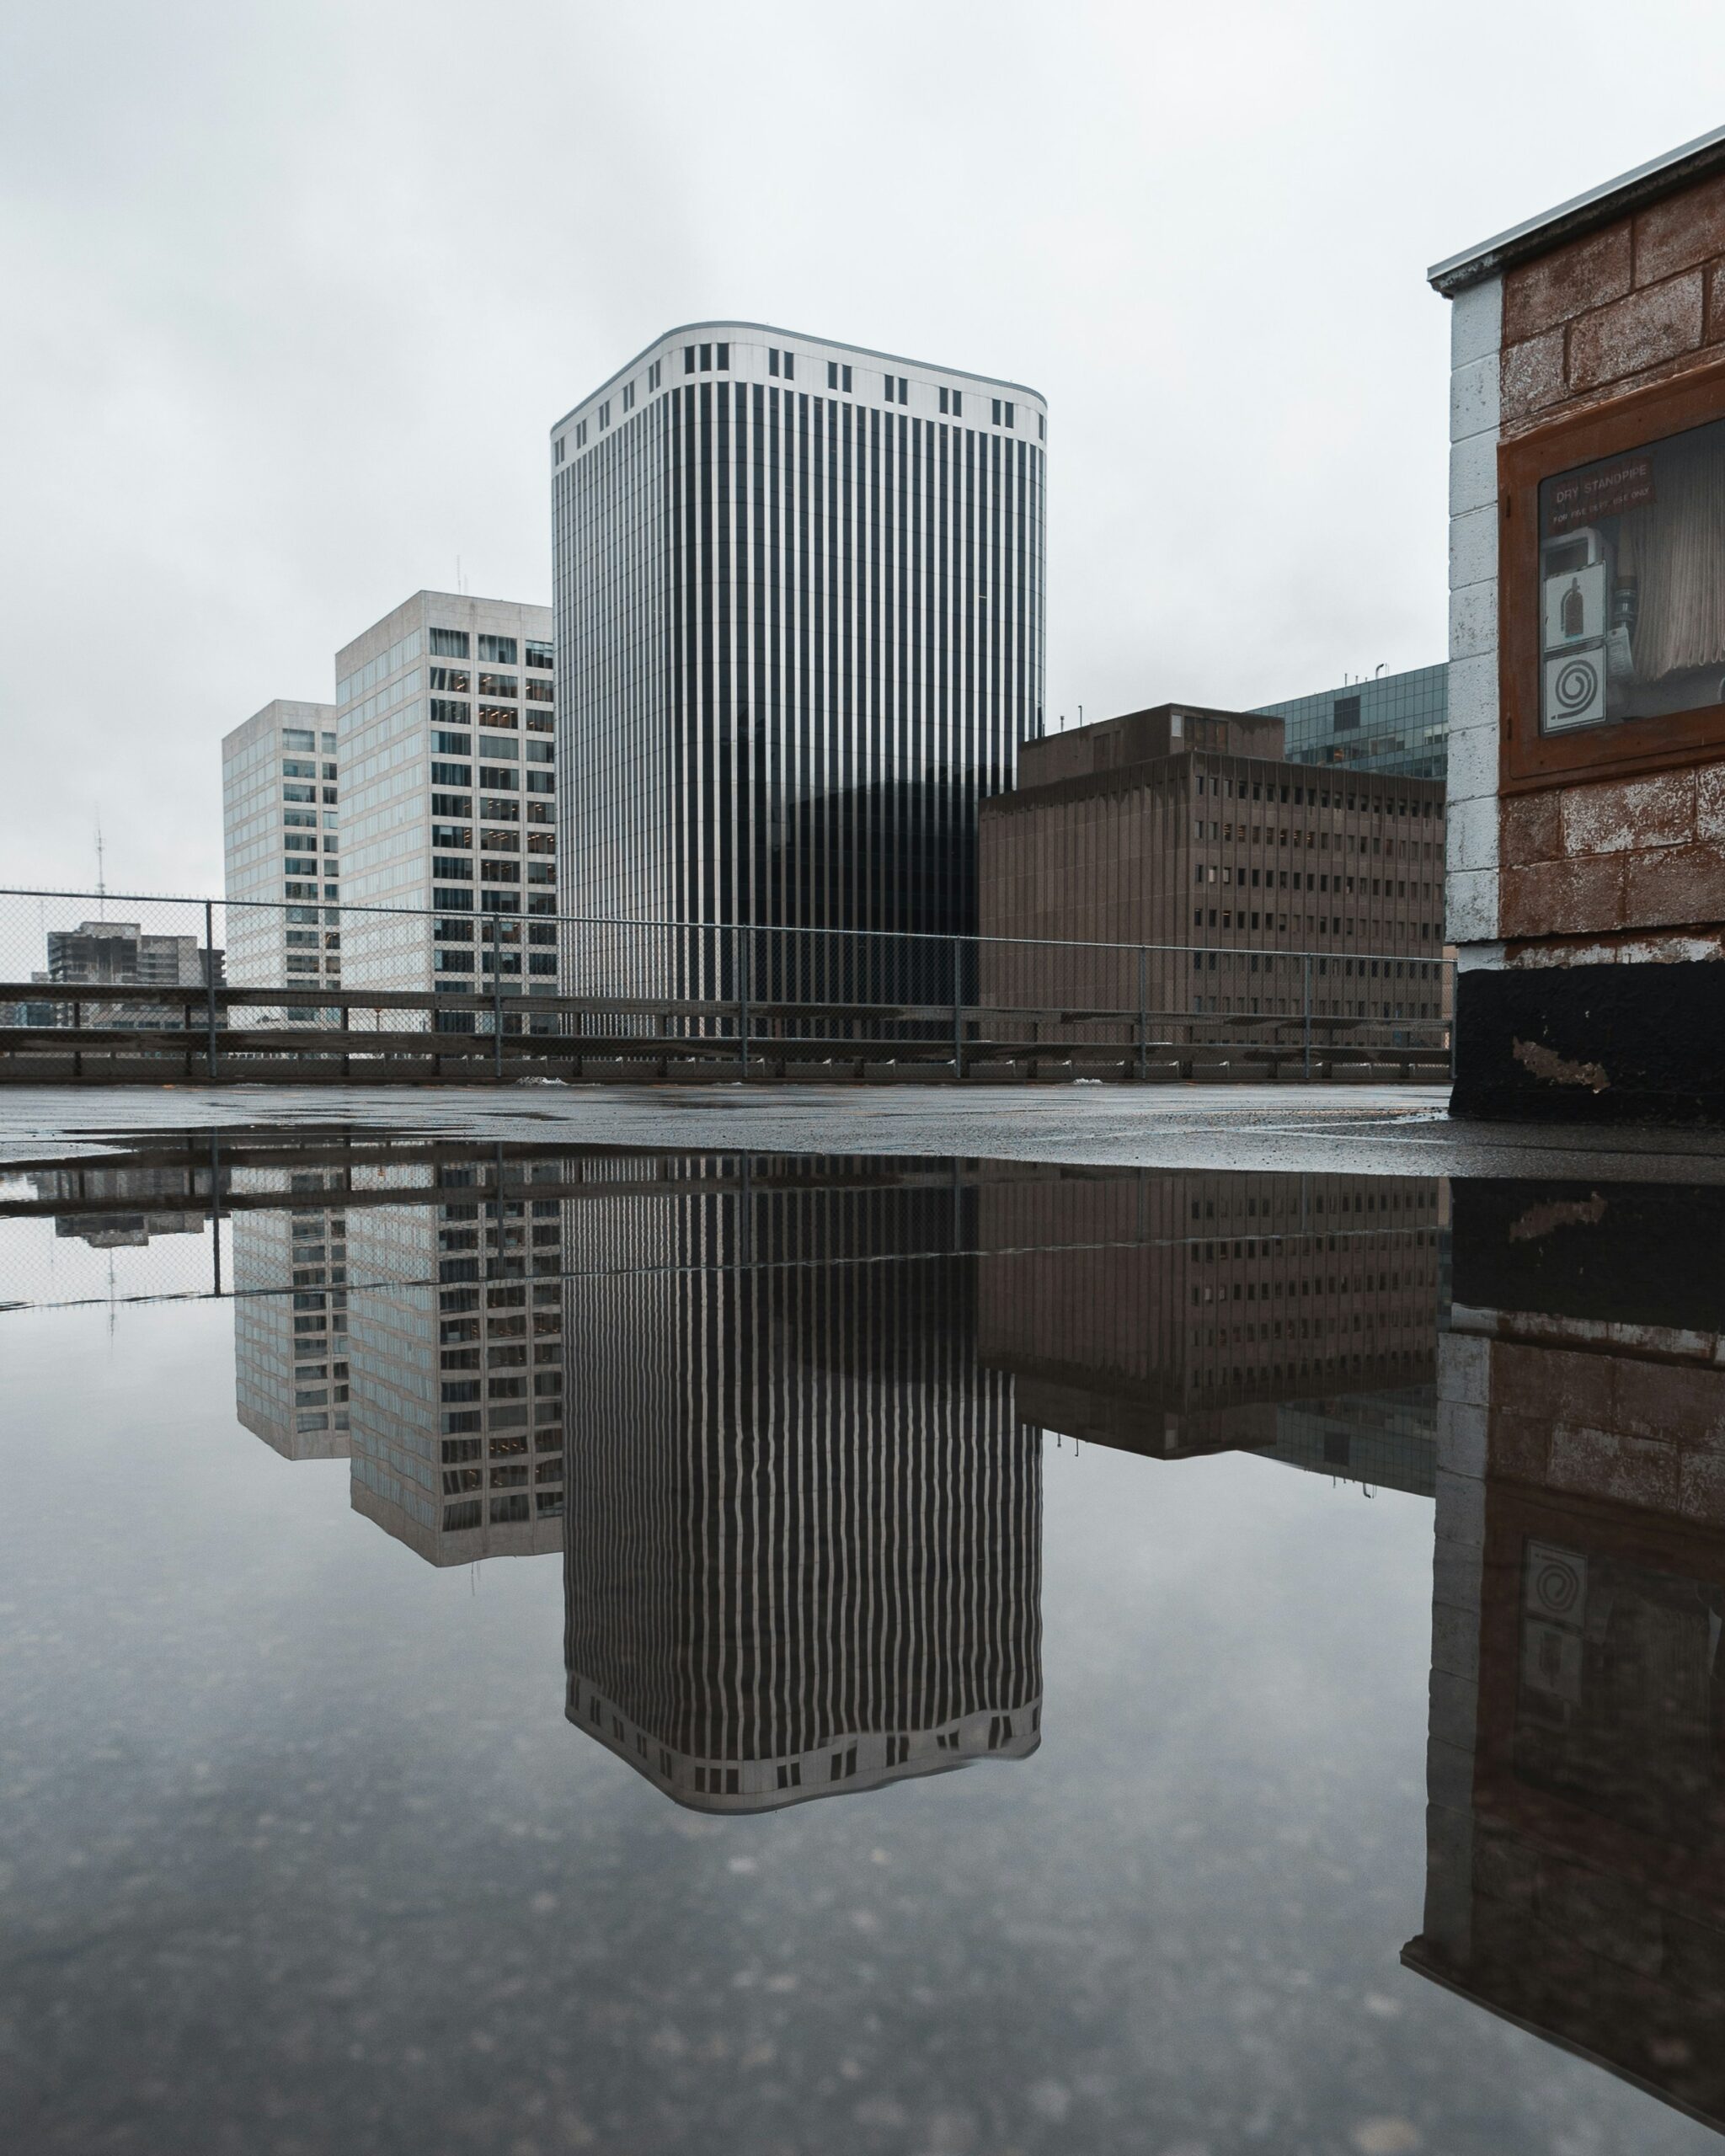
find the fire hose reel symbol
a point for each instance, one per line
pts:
(1577, 686)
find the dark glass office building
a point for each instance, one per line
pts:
(798, 612)
(1398, 723)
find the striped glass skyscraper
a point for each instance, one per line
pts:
(799, 612)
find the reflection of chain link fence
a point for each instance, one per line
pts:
(104, 986)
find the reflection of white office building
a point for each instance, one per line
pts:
(803, 1551)
(456, 1348)
(290, 1326)
(280, 845)
(447, 728)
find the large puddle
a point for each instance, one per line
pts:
(519, 1651)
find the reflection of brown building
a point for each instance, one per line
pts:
(1168, 1313)
(1576, 1828)
(1184, 827)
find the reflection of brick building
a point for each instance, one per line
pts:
(804, 1551)
(1168, 1313)
(1184, 827)
(1576, 1827)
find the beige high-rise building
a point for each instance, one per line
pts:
(281, 830)
(447, 732)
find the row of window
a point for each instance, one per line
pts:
(1310, 797)
(460, 836)
(708, 359)
(497, 809)
(497, 650)
(456, 711)
(299, 740)
(1321, 925)
(458, 681)
(492, 745)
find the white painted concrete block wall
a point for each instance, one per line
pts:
(1475, 336)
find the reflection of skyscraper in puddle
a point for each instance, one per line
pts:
(1576, 1823)
(804, 1533)
(289, 1316)
(1175, 1313)
(456, 1347)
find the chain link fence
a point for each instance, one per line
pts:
(105, 985)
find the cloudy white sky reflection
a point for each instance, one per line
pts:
(295, 290)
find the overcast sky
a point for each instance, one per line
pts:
(293, 293)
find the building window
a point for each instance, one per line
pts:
(838, 377)
(501, 651)
(707, 359)
(688, 359)
(653, 375)
(557, 457)
(722, 355)
(1611, 555)
(1042, 426)
(628, 396)
(538, 654)
(580, 434)
(1347, 714)
(605, 415)
(898, 390)
(449, 643)
(784, 362)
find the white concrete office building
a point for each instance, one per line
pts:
(281, 847)
(798, 595)
(445, 719)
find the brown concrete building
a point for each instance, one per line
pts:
(1587, 641)
(1181, 829)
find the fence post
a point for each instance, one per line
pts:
(743, 995)
(1143, 1016)
(210, 977)
(216, 1210)
(958, 1008)
(497, 996)
(1307, 968)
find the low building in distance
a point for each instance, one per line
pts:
(118, 953)
(281, 848)
(799, 605)
(1183, 832)
(1398, 723)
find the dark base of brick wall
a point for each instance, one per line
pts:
(1619, 1044)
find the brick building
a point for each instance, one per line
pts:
(1587, 673)
(1181, 831)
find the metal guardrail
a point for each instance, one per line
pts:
(124, 987)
